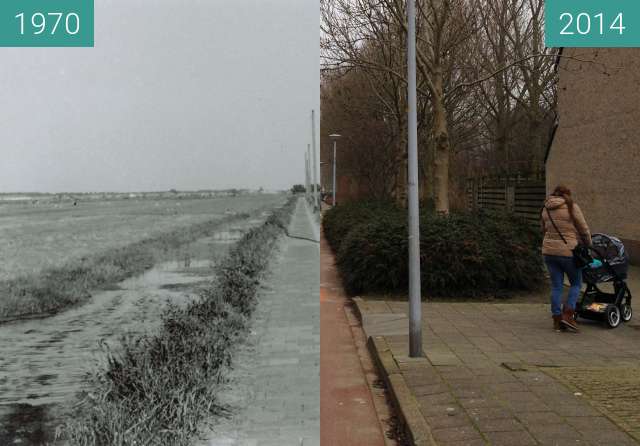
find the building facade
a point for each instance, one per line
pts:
(596, 147)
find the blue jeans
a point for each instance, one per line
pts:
(558, 266)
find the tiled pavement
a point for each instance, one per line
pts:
(274, 395)
(497, 374)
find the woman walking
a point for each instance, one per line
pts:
(564, 226)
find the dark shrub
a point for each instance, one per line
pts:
(464, 254)
(338, 221)
(298, 189)
(373, 255)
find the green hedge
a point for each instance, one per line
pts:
(463, 254)
(338, 221)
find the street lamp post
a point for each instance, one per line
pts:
(323, 183)
(334, 138)
(415, 305)
(309, 172)
(307, 183)
(316, 201)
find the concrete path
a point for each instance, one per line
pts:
(347, 406)
(498, 374)
(274, 393)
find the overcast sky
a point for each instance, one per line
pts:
(184, 94)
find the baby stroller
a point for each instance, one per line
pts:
(596, 304)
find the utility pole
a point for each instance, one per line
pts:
(306, 175)
(334, 138)
(316, 202)
(309, 172)
(415, 299)
(333, 201)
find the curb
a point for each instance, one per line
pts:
(357, 303)
(415, 427)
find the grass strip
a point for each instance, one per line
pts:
(160, 387)
(56, 289)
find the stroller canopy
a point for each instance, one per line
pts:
(610, 251)
(609, 248)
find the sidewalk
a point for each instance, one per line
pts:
(347, 405)
(497, 374)
(274, 391)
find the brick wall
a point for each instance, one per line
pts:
(596, 150)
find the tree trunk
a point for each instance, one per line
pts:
(441, 142)
(401, 163)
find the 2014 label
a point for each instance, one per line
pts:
(584, 24)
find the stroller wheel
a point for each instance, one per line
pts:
(613, 316)
(626, 312)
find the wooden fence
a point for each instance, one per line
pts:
(522, 197)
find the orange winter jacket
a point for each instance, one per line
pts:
(573, 230)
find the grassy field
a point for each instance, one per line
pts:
(159, 388)
(54, 252)
(36, 237)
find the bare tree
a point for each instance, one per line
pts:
(352, 27)
(368, 147)
(484, 75)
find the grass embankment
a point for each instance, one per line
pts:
(160, 387)
(55, 289)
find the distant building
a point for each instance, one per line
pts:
(596, 147)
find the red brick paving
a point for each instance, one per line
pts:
(347, 412)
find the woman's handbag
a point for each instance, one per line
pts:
(581, 256)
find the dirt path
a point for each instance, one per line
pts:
(273, 394)
(43, 362)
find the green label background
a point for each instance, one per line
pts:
(10, 26)
(630, 10)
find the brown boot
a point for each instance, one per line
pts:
(557, 326)
(568, 319)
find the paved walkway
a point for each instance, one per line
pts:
(274, 392)
(347, 406)
(498, 374)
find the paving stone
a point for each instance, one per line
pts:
(438, 399)
(609, 438)
(440, 358)
(469, 403)
(513, 438)
(563, 442)
(549, 431)
(429, 389)
(460, 433)
(477, 442)
(540, 418)
(454, 419)
(591, 423)
(469, 391)
(479, 414)
(499, 425)
(575, 410)
(433, 411)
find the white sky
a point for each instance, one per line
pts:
(184, 94)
